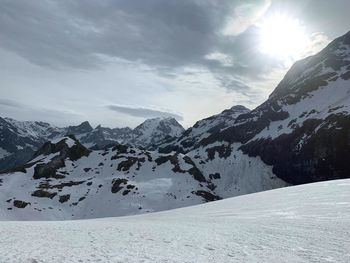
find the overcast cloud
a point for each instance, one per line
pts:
(192, 57)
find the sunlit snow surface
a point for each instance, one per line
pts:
(309, 223)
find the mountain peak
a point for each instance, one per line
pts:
(311, 73)
(239, 108)
(84, 127)
(156, 129)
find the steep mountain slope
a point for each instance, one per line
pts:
(19, 140)
(155, 130)
(305, 125)
(203, 128)
(67, 181)
(303, 129)
(307, 223)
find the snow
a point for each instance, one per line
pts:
(202, 129)
(239, 173)
(308, 223)
(154, 187)
(332, 99)
(33, 129)
(4, 153)
(69, 141)
(152, 130)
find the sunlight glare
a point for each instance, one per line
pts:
(282, 36)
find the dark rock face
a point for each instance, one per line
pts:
(173, 159)
(214, 176)
(324, 156)
(20, 204)
(64, 198)
(44, 194)
(117, 184)
(194, 171)
(84, 127)
(223, 151)
(129, 162)
(207, 196)
(49, 170)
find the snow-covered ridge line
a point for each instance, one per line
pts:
(21, 139)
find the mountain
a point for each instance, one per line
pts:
(19, 140)
(307, 223)
(83, 128)
(101, 136)
(153, 131)
(65, 180)
(303, 129)
(202, 129)
(300, 134)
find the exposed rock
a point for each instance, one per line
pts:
(20, 204)
(44, 194)
(64, 198)
(207, 196)
(116, 184)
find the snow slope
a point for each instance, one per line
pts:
(67, 181)
(307, 223)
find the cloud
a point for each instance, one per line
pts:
(244, 16)
(11, 103)
(142, 112)
(155, 40)
(26, 112)
(161, 34)
(317, 41)
(224, 59)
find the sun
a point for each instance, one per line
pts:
(282, 36)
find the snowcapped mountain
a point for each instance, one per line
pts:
(155, 130)
(65, 180)
(301, 134)
(303, 129)
(149, 133)
(203, 128)
(19, 140)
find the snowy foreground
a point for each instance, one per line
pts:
(308, 223)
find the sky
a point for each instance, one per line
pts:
(119, 62)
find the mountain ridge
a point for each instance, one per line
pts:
(20, 139)
(301, 134)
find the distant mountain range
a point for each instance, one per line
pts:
(19, 140)
(300, 134)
